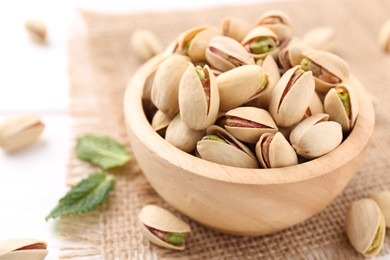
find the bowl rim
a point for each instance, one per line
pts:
(350, 148)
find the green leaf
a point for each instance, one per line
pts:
(85, 196)
(102, 151)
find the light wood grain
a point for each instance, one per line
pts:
(243, 201)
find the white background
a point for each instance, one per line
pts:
(33, 79)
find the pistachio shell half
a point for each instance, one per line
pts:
(383, 200)
(291, 97)
(315, 136)
(278, 22)
(365, 226)
(163, 228)
(274, 151)
(240, 85)
(181, 136)
(321, 38)
(198, 97)
(247, 124)
(260, 42)
(221, 147)
(342, 106)
(165, 90)
(23, 248)
(235, 28)
(224, 53)
(160, 122)
(20, 131)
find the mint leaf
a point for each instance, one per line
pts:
(85, 196)
(102, 151)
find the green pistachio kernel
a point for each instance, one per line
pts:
(344, 97)
(214, 138)
(201, 74)
(175, 238)
(262, 45)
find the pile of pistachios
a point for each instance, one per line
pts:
(247, 96)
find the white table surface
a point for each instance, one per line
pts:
(34, 79)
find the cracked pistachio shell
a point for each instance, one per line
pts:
(315, 106)
(235, 28)
(165, 90)
(328, 69)
(384, 36)
(291, 97)
(224, 153)
(315, 136)
(291, 53)
(278, 22)
(224, 53)
(383, 200)
(162, 220)
(365, 226)
(247, 124)
(198, 102)
(274, 151)
(261, 32)
(145, 44)
(273, 76)
(240, 85)
(181, 136)
(321, 38)
(20, 131)
(23, 248)
(343, 113)
(160, 121)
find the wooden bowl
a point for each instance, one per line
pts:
(236, 200)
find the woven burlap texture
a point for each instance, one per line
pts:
(101, 64)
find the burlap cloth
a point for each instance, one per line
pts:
(101, 64)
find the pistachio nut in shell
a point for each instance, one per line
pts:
(247, 124)
(384, 36)
(163, 228)
(365, 226)
(20, 131)
(181, 136)
(321, 38)
(315, 106)
(383, 200)
(145, 44)
(221, 147)
(185, 38)
(291, 53)
(328, 69)
(160, 122)
(165, 89)
(291, 97)
(198, 97)
(315, 136)
(224, 53)
(23, 248)
(260, 42)
(278, 22)
(147, 90)
(240, 85)
(341, 104)
(235, 28)
(274, 151)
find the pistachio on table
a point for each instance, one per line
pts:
(365, 226)
(23, 248)
(145, 44)
(20, 131)
(383, 200)
(163, 228)
(36, 30)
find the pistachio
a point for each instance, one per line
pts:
(384, 36)
(278, 22)
(316, 136)
(383, 200)
(365, 226)
(145, 44)
(342, 106)
(315, 106)
(36, 30)
(240, 85)
(180, 135)
(235, 28)
(165, 89)
(163, 228)
(261, 41)
(291, 97)
(224, 53)
(247, 124)
(291, 53)
(160, 123)
(20, 131)
(320, 38)
(23, 248)
(198, 97)
(274, 151)
(221, 147)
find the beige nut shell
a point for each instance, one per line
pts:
(8, 249)
(383, 200)
(235, 28)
